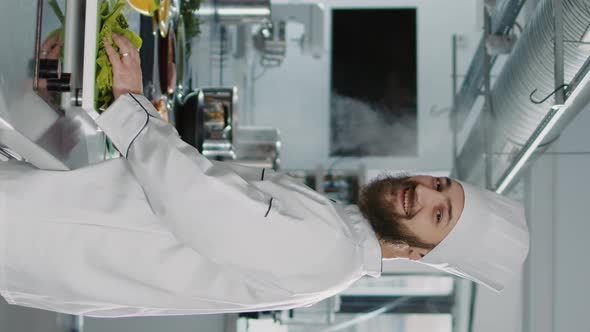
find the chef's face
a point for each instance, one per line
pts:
(429, 206)
(418, 211)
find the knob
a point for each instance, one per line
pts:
(49, 68)
(61, 84)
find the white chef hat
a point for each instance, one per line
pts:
(489, 243)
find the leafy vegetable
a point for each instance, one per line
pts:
(191, 21)
(60, 16)
(112, 20)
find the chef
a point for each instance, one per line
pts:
(165, 231)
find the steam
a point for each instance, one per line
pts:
(360, 129)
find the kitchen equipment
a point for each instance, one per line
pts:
(205, 119)
(270, 41)
(311, 15)
(162, 16)
(158, 64)
(181, 55)
(235, 11)
(166, 63)
(144, 7)
(40, 118)
(258, 146)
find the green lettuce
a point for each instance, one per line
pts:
(111, 19)
(60, 15)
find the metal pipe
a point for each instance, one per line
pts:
(37, 44)
(515, 169)
(530, 67)
(70, 323)
(554, 122)
(486, 117)
(558, 50)
(473, 300)
(235, 12)
(73, 53)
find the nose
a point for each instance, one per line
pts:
(427, 196)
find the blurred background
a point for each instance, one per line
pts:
(335, 93)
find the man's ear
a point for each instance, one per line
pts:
(417, 254)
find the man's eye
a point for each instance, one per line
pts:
(438, 186)
(438, 215)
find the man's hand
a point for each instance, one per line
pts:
(126, 66)
(51, 47)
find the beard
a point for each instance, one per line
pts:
(384, 192)
(377, 204)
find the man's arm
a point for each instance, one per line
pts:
(272, 233)
(275, 234)
(202, 203)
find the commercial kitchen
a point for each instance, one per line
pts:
(333, 95)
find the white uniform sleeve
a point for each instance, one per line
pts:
(271, 232)
(194, 198)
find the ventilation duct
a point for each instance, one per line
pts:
(530, 66)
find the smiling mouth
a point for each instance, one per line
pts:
(405, 200)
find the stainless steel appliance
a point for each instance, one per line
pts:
(311, 15)
(235, 11)
(47, 83)
(205, 119)
(258, 146)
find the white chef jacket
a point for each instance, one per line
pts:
(165, 231)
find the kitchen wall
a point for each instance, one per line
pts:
(556, 286)
(296, 96)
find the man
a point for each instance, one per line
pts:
(452, 226)
(164, 231)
